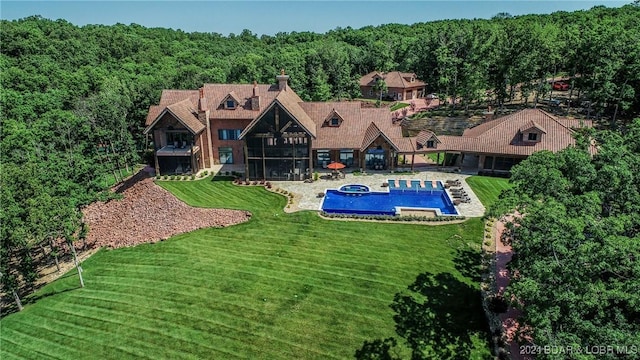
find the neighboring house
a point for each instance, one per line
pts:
(268, 132)
(400, 86)
(496, 145)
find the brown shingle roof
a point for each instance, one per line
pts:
(290, 102)
(232, 95)
(356, 120)
(532, 125)
(214, 94)
(395, 79)
(187, 114)
(424, 136)
(184, 112)
(501, 136)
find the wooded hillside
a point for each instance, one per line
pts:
(74, 99)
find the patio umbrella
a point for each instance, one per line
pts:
(336, 166)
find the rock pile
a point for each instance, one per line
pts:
(147, 214)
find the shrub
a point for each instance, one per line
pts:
(316, 175)
(172, 177)
(193, 177)
(158, 177)
(268, 185)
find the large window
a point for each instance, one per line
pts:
(179, 139)
(346, 157)
(226, 155)
(323, 158)
(226, 134)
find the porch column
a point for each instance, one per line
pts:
(412, 160)
(193, 161)
(493, 163)
(246, 158)
(264, 161)
(437, 159)
(310, 156)
(157, 164)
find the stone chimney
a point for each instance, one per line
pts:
(255, 99)
(282, 80)
(202, 107)
(488, 115)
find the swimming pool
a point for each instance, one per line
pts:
(414, 194)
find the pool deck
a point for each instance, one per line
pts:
(308, 192)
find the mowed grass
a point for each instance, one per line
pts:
(488, 188)
(281, 286)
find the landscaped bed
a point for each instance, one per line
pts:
(279, 286)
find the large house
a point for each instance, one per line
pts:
(400, 86)
(268, 132)
(498, 144)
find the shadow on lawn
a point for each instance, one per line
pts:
(437, 319)
(467, 262)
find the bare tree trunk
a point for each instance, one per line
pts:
(75, 261)
(113, 149)
(17, 299)
(615, 112)
(54, 253)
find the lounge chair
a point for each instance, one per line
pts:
(422, 185)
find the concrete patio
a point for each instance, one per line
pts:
(309, 200)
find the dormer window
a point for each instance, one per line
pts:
(333, 120)
(413, 79)
(431, 144)
(533, 137)
(230, 102)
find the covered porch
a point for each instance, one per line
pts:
(171, 160)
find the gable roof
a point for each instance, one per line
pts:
(233, 96)
(214, 94)
(372, 133)
(290, 102)
(185, 113)
(356, 122)
(500, 136)
(394, 79)
(426, 135)
(532, 125)
(333, 114)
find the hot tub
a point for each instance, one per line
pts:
(354, 189)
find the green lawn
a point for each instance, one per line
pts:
(487, 188)
(398, 106)
(281, 286)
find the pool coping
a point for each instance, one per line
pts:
(398, 209)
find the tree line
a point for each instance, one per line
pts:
(575, 234)
(74, 99)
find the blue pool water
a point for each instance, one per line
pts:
(385, 203)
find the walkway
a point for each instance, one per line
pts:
(509, 318)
